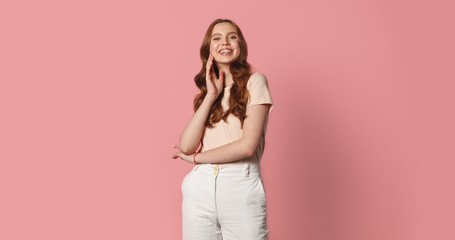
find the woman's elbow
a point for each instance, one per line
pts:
(185, 149)
(187, 152)
(250, 149)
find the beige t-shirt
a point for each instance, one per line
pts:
(226, 132)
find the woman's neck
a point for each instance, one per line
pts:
(227, 74)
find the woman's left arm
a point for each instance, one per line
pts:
(253, 128)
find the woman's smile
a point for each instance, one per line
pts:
(225, 51)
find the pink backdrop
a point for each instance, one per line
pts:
(94, 93)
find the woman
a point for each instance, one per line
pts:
(223, 195)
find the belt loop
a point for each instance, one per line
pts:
(247, 170)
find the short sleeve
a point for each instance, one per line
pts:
(258, 89)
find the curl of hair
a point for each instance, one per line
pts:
(241, 72)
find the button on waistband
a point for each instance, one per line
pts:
(228, 171)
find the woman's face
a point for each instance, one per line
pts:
(224, 44)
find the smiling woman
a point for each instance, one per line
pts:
(224, 195)
(224, 41)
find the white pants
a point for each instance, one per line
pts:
(224, 202)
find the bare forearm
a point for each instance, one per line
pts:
(192, 134)
(230, 152)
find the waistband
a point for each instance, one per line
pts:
(228, 171)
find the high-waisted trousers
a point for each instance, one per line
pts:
(224, 202)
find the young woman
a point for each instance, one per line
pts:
(223, 195)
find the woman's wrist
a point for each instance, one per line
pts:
(211, 98)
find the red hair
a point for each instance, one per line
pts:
(241, 72)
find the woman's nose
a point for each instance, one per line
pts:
(224, 41)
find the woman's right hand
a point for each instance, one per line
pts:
(214, 85)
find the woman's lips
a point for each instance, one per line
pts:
(225, 52)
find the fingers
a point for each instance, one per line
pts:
(208, 66)
(221, 76)
(176, 155)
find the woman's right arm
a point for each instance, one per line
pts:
(192, 134)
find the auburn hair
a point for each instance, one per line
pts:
(241, 72)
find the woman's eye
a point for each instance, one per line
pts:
(233, 37)
(216, 39)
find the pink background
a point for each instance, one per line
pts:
(94, 93)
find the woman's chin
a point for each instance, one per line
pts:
(225, 61)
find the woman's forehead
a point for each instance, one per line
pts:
(223, 28)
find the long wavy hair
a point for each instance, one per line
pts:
(241, 72)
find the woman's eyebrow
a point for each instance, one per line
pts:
(221, 34)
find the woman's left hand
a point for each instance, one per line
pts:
(179, 154)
